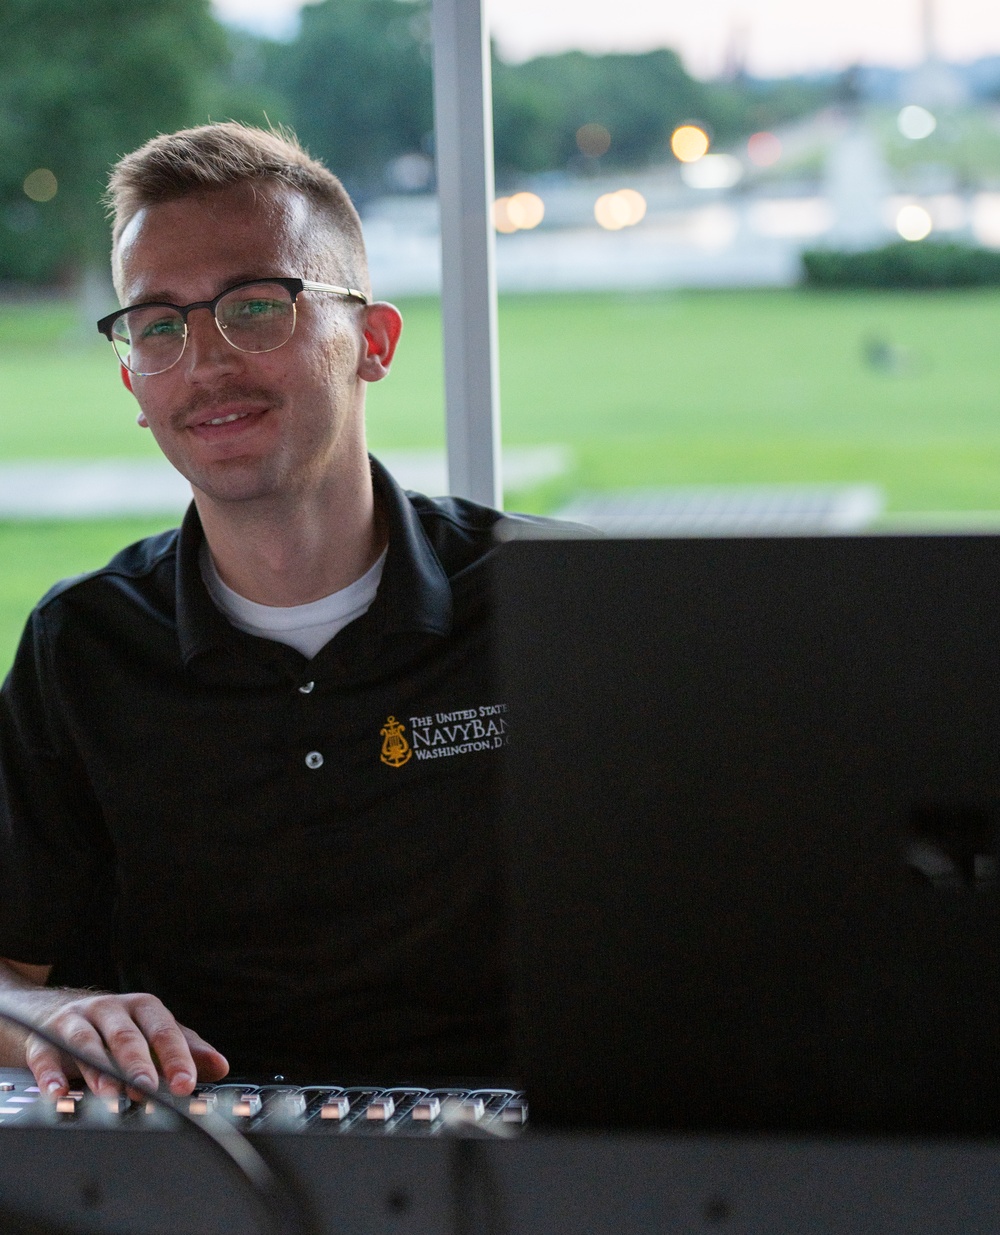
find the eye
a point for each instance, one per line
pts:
(162, 327)
(247, 310)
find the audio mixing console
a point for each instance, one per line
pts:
(409, 1161)
(322, 1110)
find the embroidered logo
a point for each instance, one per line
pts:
(462, 732)
(395, 748)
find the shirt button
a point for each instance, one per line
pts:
(314, 759)
(307, 688)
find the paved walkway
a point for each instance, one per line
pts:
(52, 489)
(730, 510)
(114, 487)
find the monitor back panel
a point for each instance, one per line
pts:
(751, 812)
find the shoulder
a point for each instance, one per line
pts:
(462, 532)
(111, 606)
(136, 569)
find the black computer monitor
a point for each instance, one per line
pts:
(751, 812)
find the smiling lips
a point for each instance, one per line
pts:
(225, 420)
(228, 420)
(228, 424)
(212, 412)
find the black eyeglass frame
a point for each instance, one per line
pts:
(293, 286)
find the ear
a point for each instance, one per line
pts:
(383, 325)
(140, 419)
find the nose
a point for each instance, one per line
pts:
(206, 352)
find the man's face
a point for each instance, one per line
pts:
(243, 426)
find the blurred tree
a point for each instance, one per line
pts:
(746, 105)
(359, 79)
(81, 84)
(540, 105)
(247, 84)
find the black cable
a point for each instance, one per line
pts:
(271, 1193)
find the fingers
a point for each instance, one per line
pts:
(99, 1083)
(210, 1063)
(135, 1033)
(46, 1066)
(168, 1042)
(49, 1066)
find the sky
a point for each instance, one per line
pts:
(776, 37)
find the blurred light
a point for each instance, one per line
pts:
(40, 185)
(635, 202)
(689, 143)
(593, 140)
(525, 210)
(714, 171)
(613, 211)
(914, 223)
(916, 122)
(764, 149)
(501, 219)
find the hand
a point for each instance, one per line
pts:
(136, 1033)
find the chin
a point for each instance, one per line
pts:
(235, 484)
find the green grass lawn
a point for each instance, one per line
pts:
(645, 389)
(734, 387)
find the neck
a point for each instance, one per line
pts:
(287, 552)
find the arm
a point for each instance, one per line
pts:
(136, 1031)
(16, 976)
(53, 843)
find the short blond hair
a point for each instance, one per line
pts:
(219, 156)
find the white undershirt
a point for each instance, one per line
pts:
(306, 628)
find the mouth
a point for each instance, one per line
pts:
(227, 417)
(224, 425)
(226, 420)
(220, 419)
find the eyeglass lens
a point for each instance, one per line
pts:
(256, 318)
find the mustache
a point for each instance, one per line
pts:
(211, 400)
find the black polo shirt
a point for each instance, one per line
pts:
(298, 856)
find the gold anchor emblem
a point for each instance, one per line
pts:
(395, 749)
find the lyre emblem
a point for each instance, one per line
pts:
(395, 748)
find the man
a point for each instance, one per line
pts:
(247, 769)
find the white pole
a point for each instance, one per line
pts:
(463, 142)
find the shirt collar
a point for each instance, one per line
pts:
(413, 596)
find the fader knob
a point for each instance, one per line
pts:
(336, 1107)
(247, 1106)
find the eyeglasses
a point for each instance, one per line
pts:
(256, 316)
